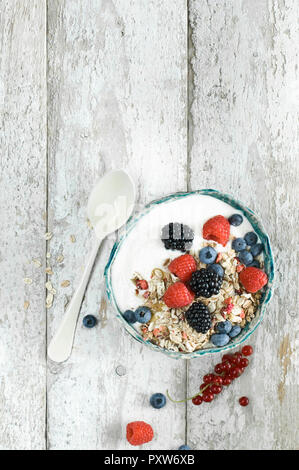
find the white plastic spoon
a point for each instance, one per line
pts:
(110, 205)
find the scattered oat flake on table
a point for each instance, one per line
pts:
(65, 283)
(73, 238)
(48, 255)
(37, 262)
(26, 305)
(60, 258)
(48, 235)
(27, 280)
(49, 271)
(49, 300)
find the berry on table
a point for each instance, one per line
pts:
(256, 249)
(244, 401)
(205, 283)
(226, 381)
(245, 257)
(176, 236)
(158, 400)
(217, 229)
(244, 362)
(217, 268)
(216, 389)
(130, 316)
(239, 244)
(198, 317)
(220, 339)
(143, 314)
(207, 255)
(208, 378)
(208, 397)
(178, 295)
(247, 350)
(253, 279)
(184, 447)
(236, 329)
(139, 432)
(183, 267)
(224, 326)
(89, 321)
(197, 400)
(218, 368)
(251, 238)
(235, 220)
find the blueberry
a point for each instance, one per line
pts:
(130, 316)
(217, 268)
(235, 220)
(239, 244)
(251, 238)
(220, 339)
(234, 331)
(256, 249)
(184, 447)
(224, 327)
(143, 314)
(255, 264)
(158, 400)
(207, 255)
(245, 257)
(89, 321)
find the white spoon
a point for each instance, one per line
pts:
(110, 205)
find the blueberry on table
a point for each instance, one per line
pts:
(256, 249)
(143, 314)
(220, 339)
(207, 255)
(158, 400)
(234, 331)
(251, 238)
(184, 447)
(224, 326)
(245, 257)
(217, 268)
(235, 220)
(130, 316)
(89, 321)
(239, 244)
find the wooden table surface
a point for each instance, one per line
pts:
(184, 95)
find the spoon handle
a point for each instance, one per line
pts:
(60, 347)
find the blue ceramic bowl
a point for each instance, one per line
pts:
(269, 268)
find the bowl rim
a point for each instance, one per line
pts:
(269, 263)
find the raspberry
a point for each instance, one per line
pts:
(217, 228)
(177, 295)
(139, 432)
(253, 279)
(183, 267)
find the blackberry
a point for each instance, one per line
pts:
(205, 283)
(176, 236)
(199, 317)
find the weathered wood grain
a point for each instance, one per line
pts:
(117, 98)
(244, 140)
(22, 206)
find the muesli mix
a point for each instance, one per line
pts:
(200, 296)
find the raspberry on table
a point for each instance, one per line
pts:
(217, 229)
(176, 236)
(139, 432)
(178, 295)
(183, 267)
(205, 283)
(198, 317)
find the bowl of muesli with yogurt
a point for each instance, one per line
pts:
(191, 274)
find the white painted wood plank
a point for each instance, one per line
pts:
(244, 140)
(117, 98)
(22, 205)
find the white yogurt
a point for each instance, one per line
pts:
(143, 249)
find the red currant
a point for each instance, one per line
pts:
(215, 388)
(217, 380)
(197, 400)
(226, 381)
(226, 357)
(244, 362)
(243, 401)
(235, 372)
(207, 379)
(226, 366)
(247, 350)
(218, 368)
(208, 396)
